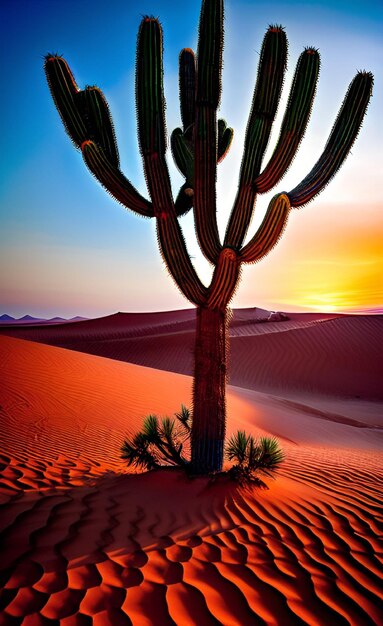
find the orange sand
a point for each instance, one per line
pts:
(84, 542)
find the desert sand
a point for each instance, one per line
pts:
(85, 541)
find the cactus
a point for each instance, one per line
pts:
(197, 148)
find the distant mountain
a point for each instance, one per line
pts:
(26, 319)
(30, 320)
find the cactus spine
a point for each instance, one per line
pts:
(197, 148)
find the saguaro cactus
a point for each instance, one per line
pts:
(197, 147)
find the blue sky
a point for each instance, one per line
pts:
(67, 248)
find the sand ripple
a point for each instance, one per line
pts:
(158, 549)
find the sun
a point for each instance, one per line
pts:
(325, 303)
(328, 308)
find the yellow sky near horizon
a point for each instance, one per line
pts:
(329, 259)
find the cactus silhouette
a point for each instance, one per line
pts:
(197, 148)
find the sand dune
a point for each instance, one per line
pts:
(84, 542)
(312, 353)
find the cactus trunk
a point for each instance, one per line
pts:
(209, 400)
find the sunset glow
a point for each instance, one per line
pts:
(69, 249)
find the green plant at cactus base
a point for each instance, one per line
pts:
(160, 442)
(252, 456)
(197, 147)
(165, 442)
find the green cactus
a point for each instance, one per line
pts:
(197, 148)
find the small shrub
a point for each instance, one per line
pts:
(161, 442)
(252, 456)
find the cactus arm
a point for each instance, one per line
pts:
(83, 113)
(150, 104)
(184, 160)
(95, 111)
(187, 84)
(175, 255)
(225, 279)
(150, 101)
(182, 155)
(266, 97)
(64, 90)
(112, 179)
(204, 185)
(295, 120)
(152, 139)
(209, 67)
(225, 137)
(339, 144)
(182, 140)
(264, 107)
(269, 231)
(169, 233)
(209, 57)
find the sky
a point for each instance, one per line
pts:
(67, 248)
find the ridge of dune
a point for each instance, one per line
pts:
(120, 325)
(115, 325)
(309, 353)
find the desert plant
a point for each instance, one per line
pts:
(165, 442)
(197, 147)
(161, 442)
(253, 456)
